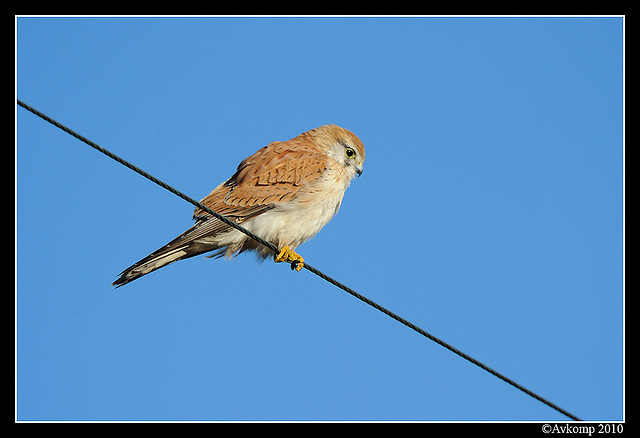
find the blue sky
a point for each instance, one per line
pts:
(489, 213)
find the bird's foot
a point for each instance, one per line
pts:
(288, 255)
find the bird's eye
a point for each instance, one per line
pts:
(350, 152)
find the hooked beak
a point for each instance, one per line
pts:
(359, 169)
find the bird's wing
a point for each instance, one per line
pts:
(273, 175)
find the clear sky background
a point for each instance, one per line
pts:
(489, 213)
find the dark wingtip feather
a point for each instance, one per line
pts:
(119, 282)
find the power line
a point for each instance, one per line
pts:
(306, 265)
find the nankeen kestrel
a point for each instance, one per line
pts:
(285, 193)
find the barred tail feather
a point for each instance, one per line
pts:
(177, 249)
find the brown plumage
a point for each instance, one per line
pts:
(285, 193)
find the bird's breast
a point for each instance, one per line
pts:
(294, 222)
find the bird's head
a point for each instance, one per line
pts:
(341, 145)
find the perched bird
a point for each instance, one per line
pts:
(285, 193)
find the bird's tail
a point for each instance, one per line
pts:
(178, 249)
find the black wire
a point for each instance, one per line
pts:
(306, 265)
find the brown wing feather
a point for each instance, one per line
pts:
(272, 175)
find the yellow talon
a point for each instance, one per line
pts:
(288, 255)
